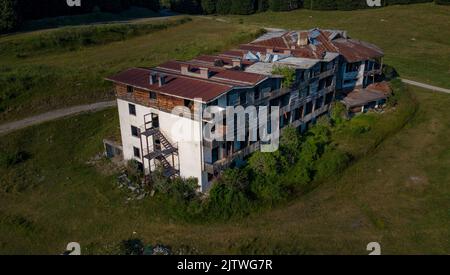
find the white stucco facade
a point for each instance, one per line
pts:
(183, 133)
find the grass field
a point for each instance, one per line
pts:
(397, 195)
(47, 79)
(415, 38)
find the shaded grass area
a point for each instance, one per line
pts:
(413, 37)
(75, 38)
(89, 18)
(396, 194)
(39, 83)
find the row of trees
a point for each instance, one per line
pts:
(13, 12)
(251, 6)
(232, 6)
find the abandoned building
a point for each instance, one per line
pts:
(322, 62)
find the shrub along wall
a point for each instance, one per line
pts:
(442, 2)
(301, 163)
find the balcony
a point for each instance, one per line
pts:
(225, 163)
(351, 75)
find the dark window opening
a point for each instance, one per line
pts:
(319, 102)
(188, 103)
(153, 96)
(257, 93)
(137, 152)
(215, 155)
(132, 109)
(242, 98)
(308, 109)
(129, 89)
(134, 131)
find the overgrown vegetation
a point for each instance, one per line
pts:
(396, 192)
(301, 163)
(288, 74)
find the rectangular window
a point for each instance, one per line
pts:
(129, 89)
(153, 96)
(137, 152)
(132, 109)
(257, 93)
(215, 154)
(134, 131)
(243, 98)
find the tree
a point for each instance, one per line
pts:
(209, 6)
(9, 16)
(262, 5)
(223, 6)
(243, 7)
(263, 163)
(283, 5)
(290, 144)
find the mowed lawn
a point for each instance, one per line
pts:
(415, 38)
(60, 77)
(397, 195)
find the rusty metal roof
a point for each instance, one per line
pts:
(361, 97)
(318, 43)
(218, 75)
(355, 50)
(175, 85)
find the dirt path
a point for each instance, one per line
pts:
(20, 124)
(426, 86)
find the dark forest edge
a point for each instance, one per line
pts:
(13, 13)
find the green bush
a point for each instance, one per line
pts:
(264, 163)
(229, 195)
(288, 74)
(338, 113)
(290, 144)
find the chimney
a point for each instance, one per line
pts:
(204, 72)
(152, 78)
(184, 69)
(236, 63)
(162, 80)
(302, 41)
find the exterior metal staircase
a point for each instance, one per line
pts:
(158, 149)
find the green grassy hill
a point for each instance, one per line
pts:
(48, 69)
(413, 37)
(397, 195)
